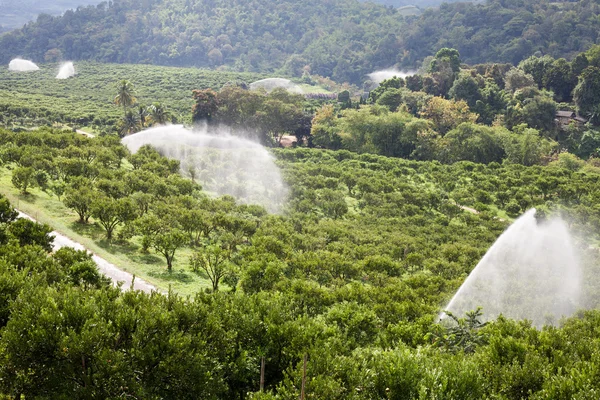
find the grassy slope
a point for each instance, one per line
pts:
(149, 266)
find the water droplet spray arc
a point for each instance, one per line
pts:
(531, 272)
(20, 65)
(66, 71)
(221, 162)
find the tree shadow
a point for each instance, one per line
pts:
(174, 276)
(28, 197)
(201, 274)
(145, 258)
(92, 231)
(115, 246)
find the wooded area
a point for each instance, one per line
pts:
(341, 39)
(394, 192)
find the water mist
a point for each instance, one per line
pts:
(66, 71)
(20, 65)
(222, 163)
(531, 272)
(271, 84)
(380, 76)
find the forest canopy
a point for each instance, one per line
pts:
(341, 39)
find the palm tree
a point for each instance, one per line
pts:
(159, 114)
(130, 123)
(143, 114)
(125, 95)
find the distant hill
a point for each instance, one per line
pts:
(337, 38)
(504, 30)
(15, 13)
(422, 4)
(341, 39)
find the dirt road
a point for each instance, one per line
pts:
(108, 269)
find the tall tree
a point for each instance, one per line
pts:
(110, 212)
(158, 114)
(130, 123)
(125, 95)
(465, 88)
(167, 243)
(207, 104)
(215, 261)
(23, 178)
(560, 79)
(587, 92)
(80, 199)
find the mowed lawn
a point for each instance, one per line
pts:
(128, 255)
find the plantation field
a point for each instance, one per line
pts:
(126, 255)
(37, 98)
(354, 272)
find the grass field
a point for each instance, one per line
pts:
(125, 255)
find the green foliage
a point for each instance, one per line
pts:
(266, 115)
(125, 94)
(465, 88)
(23, 178)
(480, 144)
(214, 260)
(167, 243)
(586, 93)
(80, 200)
(443, 57)
(461, 334)
(112, 212)
(7, 211)
(344, 39)
(352, 273)
(88, 99)
(30, 233)
(501, 31)
(215, 44)
(391, 99)
(206, 105)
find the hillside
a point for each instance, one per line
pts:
(87, 99)
(431, 235)
(13, 13)
(503, 31)
(345, 285)
(422, 4)
(341, 39)
(251, 36)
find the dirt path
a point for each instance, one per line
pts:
(84, 133)
(469, 209)
(474, 211)
(108, 269)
